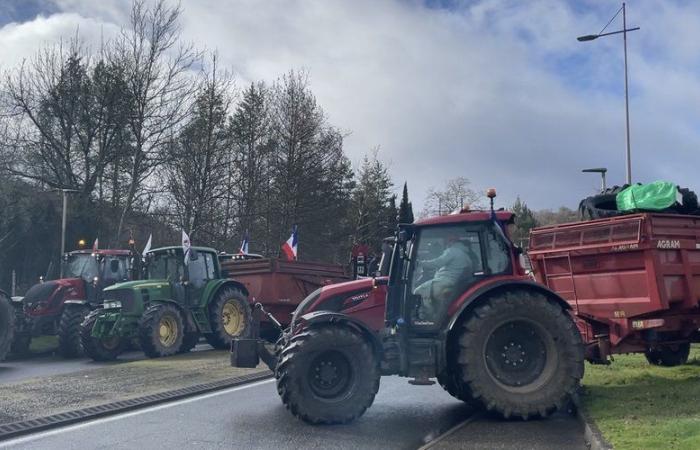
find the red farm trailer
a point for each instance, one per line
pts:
(280, 285)
(633, 282)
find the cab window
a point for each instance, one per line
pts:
(211, 268)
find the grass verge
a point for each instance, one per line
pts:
(639, 406)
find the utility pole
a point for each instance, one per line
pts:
(624, 31)
(63, 223)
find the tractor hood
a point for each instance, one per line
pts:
(139, 284)
(339, 297)
(47, 295)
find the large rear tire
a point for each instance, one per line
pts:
(99, 349)
(327, 375)
(7, 325)
(670, 355)
(161, 331)
(521, 355)
(69, 343)
(230, 317)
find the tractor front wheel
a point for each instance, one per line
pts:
(69, 345)
(7, 325)
(520, 354)
(161, 331)
(99, 349)
(230, 317)
(669, 355)
(327, 375)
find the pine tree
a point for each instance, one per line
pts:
(524, 222)
(406, 208)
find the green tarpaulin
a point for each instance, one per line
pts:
(654, 196)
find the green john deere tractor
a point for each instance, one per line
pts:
(168, 311)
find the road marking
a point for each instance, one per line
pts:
(78, 426)
(450, 432)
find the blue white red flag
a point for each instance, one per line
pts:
(244, 245)
(289, 248)
(147, 248)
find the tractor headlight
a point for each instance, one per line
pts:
(112, 304)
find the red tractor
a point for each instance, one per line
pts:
(58, 307)
(452, 301)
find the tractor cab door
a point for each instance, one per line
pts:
(200, 270)
(444, 262)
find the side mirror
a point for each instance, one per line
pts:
(403, 236)
(194, 256)
(114, 266)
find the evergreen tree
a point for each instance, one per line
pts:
(406, 207)
(524, 222)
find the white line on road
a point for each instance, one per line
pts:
(78, 426)
(432, 442)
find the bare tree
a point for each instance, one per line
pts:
(454, 195)
(198, 159)
(158, 87)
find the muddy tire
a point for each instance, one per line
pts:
(189, 341)
(230, 316)
(669, 355)
(99, 349)
(161, 331)
(454, 386)
(7, 325)
(521, 355)
(69, 343)
(327, 375)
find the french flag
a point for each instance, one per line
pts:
(244, 245)
(289, 248)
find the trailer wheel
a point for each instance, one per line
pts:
(327, 375)
(7, 325)
(161, 331)
(69, 345)
(669, 355)
(99, 349)
(230, 316)
(521, 355)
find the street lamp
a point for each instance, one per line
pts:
(63, 221)
(591, 37)
(601, 171)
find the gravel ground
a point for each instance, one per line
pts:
(38, 397)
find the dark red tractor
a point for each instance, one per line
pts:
(453, 302)
(58, 307)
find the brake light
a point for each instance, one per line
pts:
(646, 324)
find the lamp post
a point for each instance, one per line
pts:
(63, 222)
(590, 37)
(601, 171)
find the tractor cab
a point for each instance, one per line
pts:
(97, 269)
(436, 262)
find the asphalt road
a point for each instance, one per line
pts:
(13, 371)
(252, 417)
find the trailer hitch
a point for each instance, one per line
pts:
(247, 352)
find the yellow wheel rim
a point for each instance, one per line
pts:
(233, 318)
(167, 331)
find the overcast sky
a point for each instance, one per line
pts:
(498, 91)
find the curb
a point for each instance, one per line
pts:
(15, 429)
(591, 433)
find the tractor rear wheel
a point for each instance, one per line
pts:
(230, 317)
(99, 349)
(161, 331)
(521, 355)
(69, 345)
(327, 375)
(669, 355)
(189, 341)
(7, 325)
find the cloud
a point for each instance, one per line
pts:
(498, 91)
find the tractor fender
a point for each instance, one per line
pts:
(213, 288)
(75, 302)
(501, 286)
(331, 317)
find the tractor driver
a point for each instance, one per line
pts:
(452, 265)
